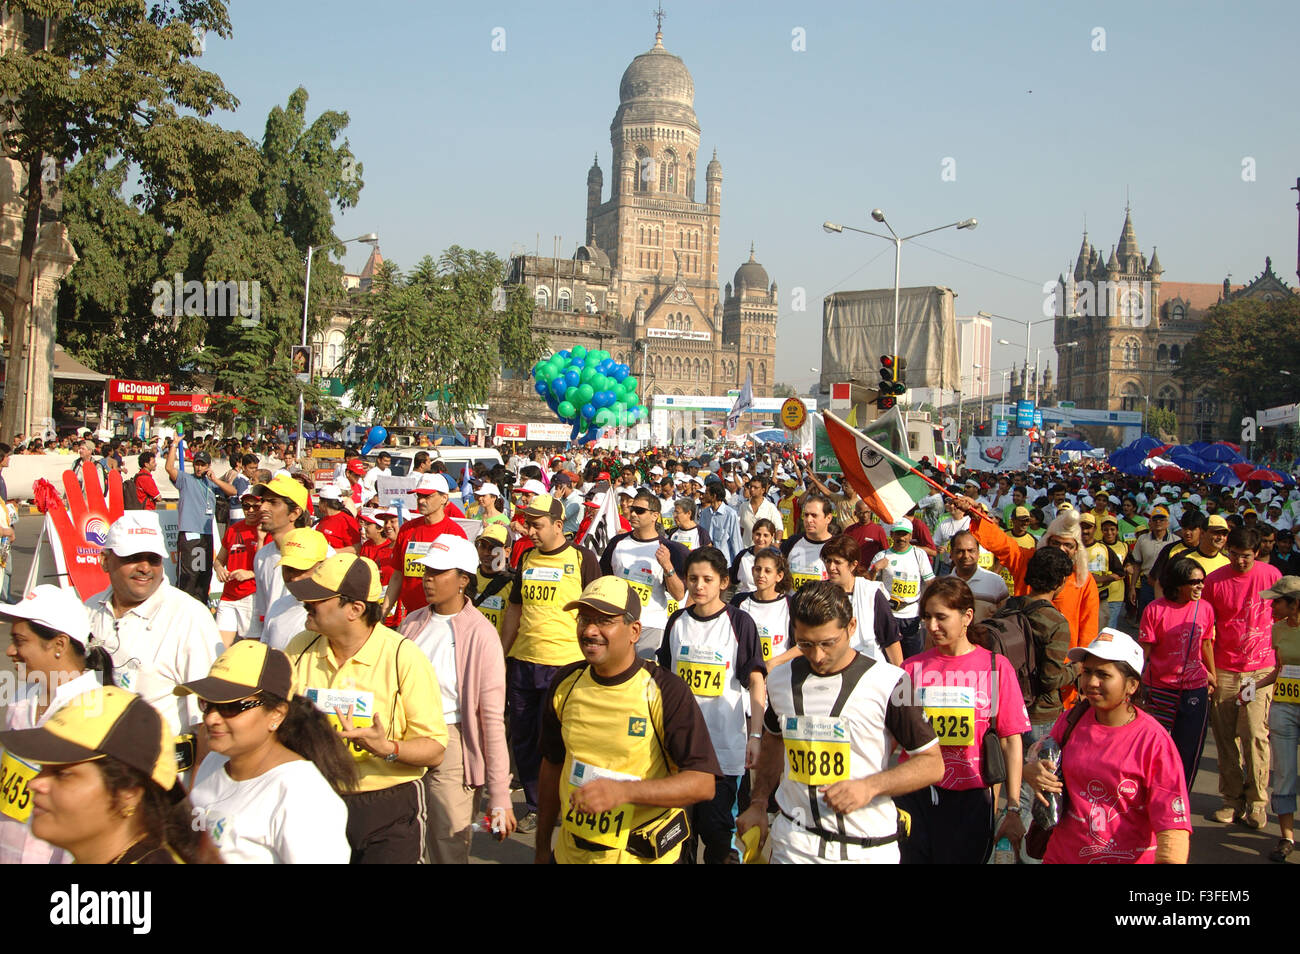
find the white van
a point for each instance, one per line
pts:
(456, 459)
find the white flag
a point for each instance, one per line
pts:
(744, 401)
(604, 523)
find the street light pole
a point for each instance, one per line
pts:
(879, 216)
(370, 238)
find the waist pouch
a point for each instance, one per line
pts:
(650, 840)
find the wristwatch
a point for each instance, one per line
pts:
(392, 756)
(1013, 809)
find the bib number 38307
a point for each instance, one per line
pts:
(816, 749)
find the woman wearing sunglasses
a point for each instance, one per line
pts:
(268, 792)
(107, 792)
(1177, 640)
(49, 647)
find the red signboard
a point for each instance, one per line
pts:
(512, 432)
(136, 392)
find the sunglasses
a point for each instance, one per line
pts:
(228, 710)
(638, 510)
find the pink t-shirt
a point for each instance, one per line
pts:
(971, 678)
(1243, 641)
(1174, 663)
(1124, 783)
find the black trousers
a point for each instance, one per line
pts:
(712, 822)
(948, 827)
(387, 827)
(194, 566)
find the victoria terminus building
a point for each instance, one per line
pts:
(644, 283)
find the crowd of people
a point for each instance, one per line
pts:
(670, 657)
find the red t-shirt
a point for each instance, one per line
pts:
(453, 511)
(413, 543)
(340, 529)
(382, 554)
(240, 543)
(146, 490)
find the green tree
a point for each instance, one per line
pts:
(783, 391)
(440, 333)
(1161, 421)
(1241, 349)
(94, 77)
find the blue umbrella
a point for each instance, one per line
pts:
(1146, 443)
(1220, 454)
(1073, 445)
(1128, 460)
(1224, 477)
(774, 435)
(1189, 460)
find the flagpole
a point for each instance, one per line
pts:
(886, 452)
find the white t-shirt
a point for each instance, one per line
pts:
(904, 574)
(805, 559)
(437, 641)
(863, 598)
(287, 815)
(772, 617)
(987, 585)
(285, 619)
(634, 560)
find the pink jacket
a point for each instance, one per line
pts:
(481, 682)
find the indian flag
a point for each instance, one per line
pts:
(888, 487)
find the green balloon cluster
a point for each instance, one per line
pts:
(588, 389)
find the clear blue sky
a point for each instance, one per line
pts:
(463, 145)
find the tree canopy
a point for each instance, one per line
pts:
(1241, 349)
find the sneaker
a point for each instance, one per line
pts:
(1283, 850)
(1225, 814)
(1257, 819)
(527, 824)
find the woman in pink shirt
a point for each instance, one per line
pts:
(952, 822)
(1125, 798)
(1177, 638)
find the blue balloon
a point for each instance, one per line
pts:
(559, 386)
(620, 372)
(377, 435)
(591, 435)
(589, 410)
(564, 355)
(541, 388)
(572, 377)
(603, 398)
(605, 366)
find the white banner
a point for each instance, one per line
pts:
(396, 493)
(553, 431)
(1273, 416)
(997, 454)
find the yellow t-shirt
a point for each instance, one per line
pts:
(1208, 564)
(369, 683)
(548, 633)
(494, 606)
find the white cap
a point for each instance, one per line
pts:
(450, 552)
(434, 483)
(136, 531)
(533, 486)
(1113, 645)
(486, 488)
(656, 471)
(370, 516)
(626, 492)
(54, 607)
(329, 493)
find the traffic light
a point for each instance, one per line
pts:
(891, 380)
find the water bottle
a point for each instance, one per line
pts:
(1048, 815)
(1002, 853)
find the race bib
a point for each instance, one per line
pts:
(15, 798)
(985, 561)
(765, 639)
(492, 607)
(904, 590)
(643, 591)
(1287, 686)
(362, 705)
(816, 749)
(673, 606)
(415, 551)
(951, 711)
(607, 829)
(703, 670)
(540, 584)
(800, 580)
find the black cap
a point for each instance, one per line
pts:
(201, 457)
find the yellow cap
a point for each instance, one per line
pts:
(344, 574)
(1216, 522)
(282, 485)
(247, 667)
(494, 531)
(303, 549)
(611, 595)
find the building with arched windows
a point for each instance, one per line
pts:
(644, 284)
(1121, 330)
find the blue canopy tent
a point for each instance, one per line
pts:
(1128, 460)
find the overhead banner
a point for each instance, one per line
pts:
(997, 454)
(1275, 416)
(511, 432)
(858, 327)
(1024, 414)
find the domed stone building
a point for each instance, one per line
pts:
(645, 284)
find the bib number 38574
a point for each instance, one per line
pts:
(816, 749)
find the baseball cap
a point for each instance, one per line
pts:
(657, 471)
(1109, 519)
(357, 466)
(344, 574)
(1021, 512)
(488, 488)
(450, 552)
(53, 606)
(136, 531)
(561, 480)
(533, 486)
(284, 486)
(329, 493)
(1288, 587)
(626, 492)
(1159, 511)
(494, 531)
(370, 516)
(609, 595)
(433, 484)
(303, 548)
(104, 721)
(201, 457)
(544, 505)
(1087, 518)
(1113, 645)
(1216, 522)
(247, 667)
(901, 526)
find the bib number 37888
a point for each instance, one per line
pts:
(816, 749)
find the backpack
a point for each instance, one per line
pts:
(130, 498)
(1012, 635)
